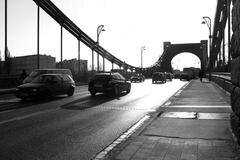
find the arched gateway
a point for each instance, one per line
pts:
(171, 50)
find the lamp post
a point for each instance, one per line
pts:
(207, 21)
(100, 28)
(142, 49)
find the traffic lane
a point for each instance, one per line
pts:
(15, 108)
(148, 96)
(54, 132)
(65, 134)
(143, 96)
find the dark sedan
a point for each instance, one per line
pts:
(169, 76)
(158, 77)
(184, 76)
(108, 83)
(47, 85)
(137, 78)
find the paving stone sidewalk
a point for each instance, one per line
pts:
(194, 126)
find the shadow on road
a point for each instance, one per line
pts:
(90, 102)
(26, 103)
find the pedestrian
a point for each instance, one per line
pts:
(200, 74)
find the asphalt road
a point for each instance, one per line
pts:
(76, 127)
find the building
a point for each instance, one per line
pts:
(29, 63)
(72, 64)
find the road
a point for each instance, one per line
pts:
(76, 127)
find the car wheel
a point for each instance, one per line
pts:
(116, 91)
(47, 94)
(70, 91)
(128, 90)
(93, 93)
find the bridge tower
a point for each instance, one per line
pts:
(171, 50)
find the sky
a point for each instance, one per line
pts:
(128, 24)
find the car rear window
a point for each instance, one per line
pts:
(45, 78)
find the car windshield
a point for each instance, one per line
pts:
(136, 75)
(101, 77)
(45, 79)
(118, 76)
(36, 73)
(33, 74)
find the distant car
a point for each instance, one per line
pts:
(137, 78)
(177, 75)
(158, 77)
(37, 72)
(184, 76)
(169, 76)
(109, 83)
(46, 85)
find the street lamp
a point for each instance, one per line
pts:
(207, 21)
(142, 49)
(100, 28)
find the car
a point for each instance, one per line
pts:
(169, 76)
(137, 78)
(46, 85)
(37, 72)
(158, 77)
(184, 76)
(108, 83)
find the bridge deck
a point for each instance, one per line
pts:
(195, 125)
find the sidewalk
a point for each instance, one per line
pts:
(195, 125)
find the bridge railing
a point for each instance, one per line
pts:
(223, 79)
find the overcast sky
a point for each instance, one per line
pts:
(129, 24)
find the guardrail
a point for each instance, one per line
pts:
(223, 80)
